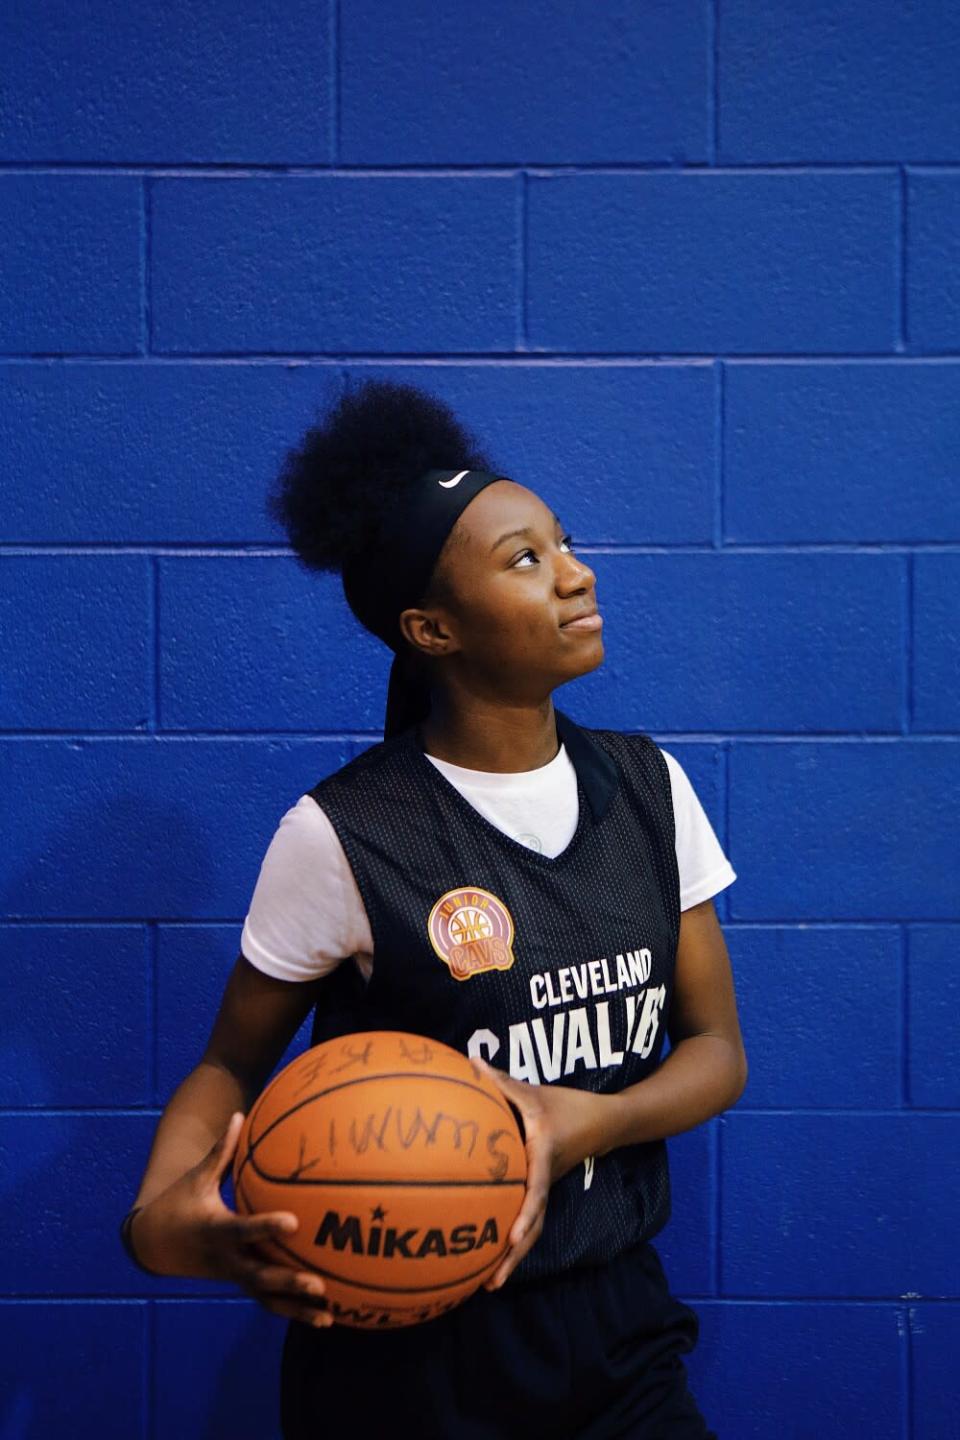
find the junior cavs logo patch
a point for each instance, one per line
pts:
(472, 931)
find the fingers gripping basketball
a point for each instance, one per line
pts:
(404, 1167)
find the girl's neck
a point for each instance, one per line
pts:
(503, 738)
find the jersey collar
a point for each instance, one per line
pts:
(596, 770)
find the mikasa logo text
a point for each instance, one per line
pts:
(412, 1244)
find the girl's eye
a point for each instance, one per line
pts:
(566, 540)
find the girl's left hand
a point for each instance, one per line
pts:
(562, 1126)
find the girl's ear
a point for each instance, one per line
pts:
(429, 633)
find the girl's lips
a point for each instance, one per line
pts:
(586, 622)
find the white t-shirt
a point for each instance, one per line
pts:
(307, 915)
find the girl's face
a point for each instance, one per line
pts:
(510, 582)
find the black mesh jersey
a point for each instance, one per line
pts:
(559, 970)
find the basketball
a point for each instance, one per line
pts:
(405, 1169)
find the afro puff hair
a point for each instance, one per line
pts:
(336, 488)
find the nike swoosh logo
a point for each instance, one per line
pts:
(449, 484)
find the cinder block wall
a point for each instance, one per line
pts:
(690, 267)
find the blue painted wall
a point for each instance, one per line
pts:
(690, 268)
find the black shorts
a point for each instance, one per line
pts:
(594, 1354)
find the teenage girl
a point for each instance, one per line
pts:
(587, 847)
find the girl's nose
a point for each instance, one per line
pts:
(577, 575)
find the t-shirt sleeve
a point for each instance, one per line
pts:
(703, 866)
(306, 915)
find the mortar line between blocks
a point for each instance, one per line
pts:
(267, 550)
(541, 359)
(664, 165)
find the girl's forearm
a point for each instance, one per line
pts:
(194, 1118)
(701, 1077)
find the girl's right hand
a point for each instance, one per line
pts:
(188, 1230)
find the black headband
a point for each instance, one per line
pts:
(380, 586)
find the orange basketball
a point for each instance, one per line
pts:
(406, 1171)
